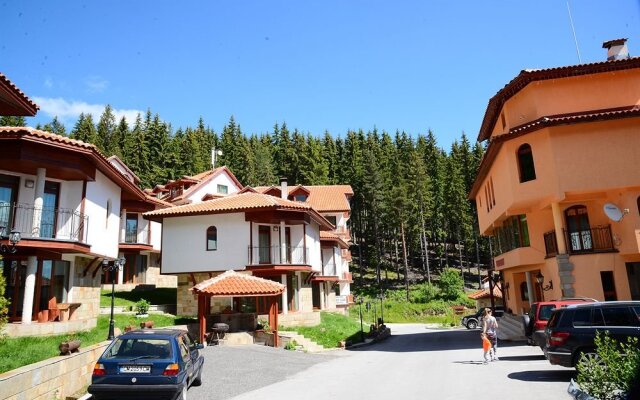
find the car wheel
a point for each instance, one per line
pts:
(472, 324)
(589, 356)
(198, 380)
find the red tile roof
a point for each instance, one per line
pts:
(16, 102)
(527, 76)
(324, 198)
(332, 237)
(237, 203)
(484, 293)
(234, 284)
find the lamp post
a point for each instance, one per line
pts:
(14, 237)
(381, 297)
(361, 327)
(112, 266)
(540, 279)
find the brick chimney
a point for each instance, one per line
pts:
(284, 192)
(616, 49)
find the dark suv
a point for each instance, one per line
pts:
(571, 331)
(473, 321)
(536, 320)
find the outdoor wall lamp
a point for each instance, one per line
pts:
(540, 280)
(112, 266)
(14, 237)
(276, 228)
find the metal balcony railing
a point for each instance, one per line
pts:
(272, 255)
(44, 222)
(592, 240)
(136, 237)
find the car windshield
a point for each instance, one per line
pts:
(545, 312)
(139, 348)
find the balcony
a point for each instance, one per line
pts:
(45, 223)
(271, 255)
(597, 239)
(136, 237)
(347, 277)
(329, 269)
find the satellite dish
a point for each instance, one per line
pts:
(613, 212)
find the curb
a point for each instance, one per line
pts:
(368, 342)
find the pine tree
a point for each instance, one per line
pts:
(55, 127)
(84, 129)
(6, 120)
(106, 128)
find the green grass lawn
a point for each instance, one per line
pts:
(155, 296)
(17, 352)
(406, 312)
(332, 329)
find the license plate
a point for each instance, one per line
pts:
(135, 369)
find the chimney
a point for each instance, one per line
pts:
(616, 49)
(284, 191)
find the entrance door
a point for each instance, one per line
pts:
(608, 286)
(264, 244)
(8, 194)
(292, 291)
(578, 228)
(633, 275)
(15, 274)
(315, 294)
(49, 210)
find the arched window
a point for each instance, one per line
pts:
(212, 238)
(526, 168)
(578, 228)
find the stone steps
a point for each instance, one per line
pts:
(307, 344)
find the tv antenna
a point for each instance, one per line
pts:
(575, 39)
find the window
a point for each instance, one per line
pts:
(223, 189)
(524, 292)
(131, 228)
(582, 317)
(493, 195)
(300, 197)
(513, 234)
(504, 122)
(54, 281)
(619, 316)
(332, 219)
(212, 238)
(526, 168)
(106, 221)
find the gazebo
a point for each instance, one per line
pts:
(234, 284)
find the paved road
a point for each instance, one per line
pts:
(414, 363)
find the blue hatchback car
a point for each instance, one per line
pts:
(149, 363)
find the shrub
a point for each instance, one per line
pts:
(451, 284)
(4, 303)
(612, 373)
(424, 293)
(142, 306)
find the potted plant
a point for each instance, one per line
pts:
(142, 307)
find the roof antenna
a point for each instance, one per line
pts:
(575, 39)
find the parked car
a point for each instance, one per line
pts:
(536, 320)
(474, 321)
(158, 364)
(572, 330)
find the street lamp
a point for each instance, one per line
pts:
(540, 280)
(14, 237)
(112, 267)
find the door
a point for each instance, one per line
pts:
(287, 238)
(608, 286)
(8, 195)
(131, 228)
(15, 273)
(633, 275)
(578, 229)
(49, 210)
(264, 244)
(292, 291)
(315, 294)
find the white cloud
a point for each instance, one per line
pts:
(69, 111)
(96, 84)
(48, 83)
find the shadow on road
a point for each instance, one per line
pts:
(543, 376)
(523, 358)
(432, 341)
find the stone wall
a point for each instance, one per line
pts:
(153, 274)
(188, 302)
(85, 290)
(55, 378)
(296, 319)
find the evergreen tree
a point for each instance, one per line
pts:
(84, 129)
(106, 129)
(6, 120)
(55, 127)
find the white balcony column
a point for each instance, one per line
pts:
(285, 306)
(322, 295)
(29, 289)
(120, 280)
(283, 244)
(530, 290)
(38, 201)
(557, 225)
(123, 225)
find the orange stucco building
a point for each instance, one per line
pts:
(563, 143)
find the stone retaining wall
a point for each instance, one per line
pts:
(54, 378)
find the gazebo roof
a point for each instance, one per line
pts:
(234, 284)
(484, 294)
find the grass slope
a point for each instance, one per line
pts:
(333, 328)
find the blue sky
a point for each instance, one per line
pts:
(324, 65)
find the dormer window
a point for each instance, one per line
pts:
(300, 197)
(526, 168)
(223, 189)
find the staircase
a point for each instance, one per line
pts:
(306, 344)
(510, 327)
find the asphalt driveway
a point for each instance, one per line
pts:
(414, 363)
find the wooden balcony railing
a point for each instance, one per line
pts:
(593, 240)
